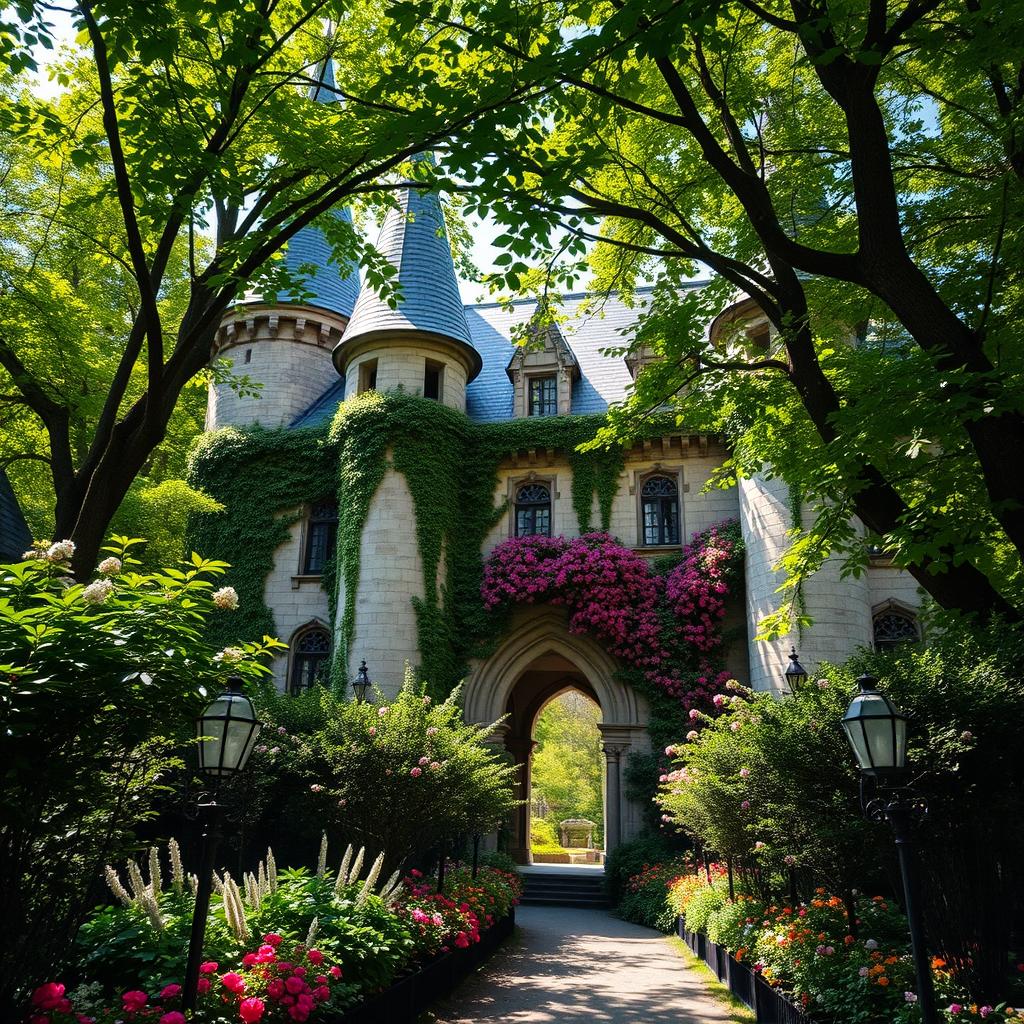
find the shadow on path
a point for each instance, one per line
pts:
(568, 966)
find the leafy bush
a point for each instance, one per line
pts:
(542, 833)
(702, 905)
(630, 858)
(99, 684)
(369, 929)
(399, 776)
(501, 861)
(643, 900)
(772, 782)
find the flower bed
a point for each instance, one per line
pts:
(358, 940)
(812, 958)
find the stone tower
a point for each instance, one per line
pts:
(423, 346)
(286, 346)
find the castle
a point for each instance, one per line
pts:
(340, 339)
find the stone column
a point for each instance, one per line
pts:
(496, 741)
(613, 794)
(521, 749)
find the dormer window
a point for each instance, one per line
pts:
(542, 375)
(543, 395)
(533, 511)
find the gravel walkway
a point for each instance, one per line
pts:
(568, 966)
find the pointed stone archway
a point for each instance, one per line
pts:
(536, 660)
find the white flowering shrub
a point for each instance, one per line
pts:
(99, 684)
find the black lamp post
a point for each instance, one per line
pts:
(361, 683)
(877, 732)
(227, 732)
(796, 674)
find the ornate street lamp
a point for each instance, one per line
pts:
(227, 732)
(796, 674)
(361, 683)
(877, 732)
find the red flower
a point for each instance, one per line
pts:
(233, 982)
(47, 996)
(250, 1010)
(171, 992)
(203, 985)
(294, 985)
(174, 1017)
(275, 988)
(134, 1001)
(273, 939)
(335, 972)
(210, 967)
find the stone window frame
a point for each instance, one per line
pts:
(893, 606)
(640, 477)
(558, 360)
(301, 576)
(549, 480)
(364, 371)
(439, 367)
(529, 377)
(315, 624)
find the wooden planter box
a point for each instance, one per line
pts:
(410, 995)
(770, 1006)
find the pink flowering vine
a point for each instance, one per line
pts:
(650, 622)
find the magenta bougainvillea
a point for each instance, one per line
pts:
(660, 624)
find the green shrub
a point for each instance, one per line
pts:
(401, 775)
(99, 685)
(542, 833)
(644, 898)
(702, 906)
(501, 861)
(630, 858)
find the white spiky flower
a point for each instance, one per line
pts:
(155, 877)
(271, 870)
(114, 881)
(321, 863)
(314, 927)
(135, 880)
(371, 880)
(193, 884)
(339, 882)
(357, 865)
(218, 885)
(177, 871)
(391, 886)
(152, 909)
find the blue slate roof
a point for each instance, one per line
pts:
(591, 325)
(15, 537)
(414, 240)
(308, 256)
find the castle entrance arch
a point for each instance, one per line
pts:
(537, 659)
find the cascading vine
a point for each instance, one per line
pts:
(666, 625)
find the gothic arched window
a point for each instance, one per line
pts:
(311, 650)
(533, 511)
(892, 628)
(659, 507)
(321, 534)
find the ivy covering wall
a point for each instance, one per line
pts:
(450, 465)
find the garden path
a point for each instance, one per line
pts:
(568, 966)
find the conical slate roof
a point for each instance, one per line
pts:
(413, 239)
(333, 287)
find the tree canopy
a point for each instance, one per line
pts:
(854, 167)
(192, 149)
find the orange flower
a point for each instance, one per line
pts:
(883, 980)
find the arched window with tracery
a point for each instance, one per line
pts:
(893, 627)
(659, 509)
(321, 535)
(533, 511)
(311, 651)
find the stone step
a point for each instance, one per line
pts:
(552, 900)
(564, 890)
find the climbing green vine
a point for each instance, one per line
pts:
(450, 465)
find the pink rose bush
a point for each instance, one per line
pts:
(275, 984)
(654, 623)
